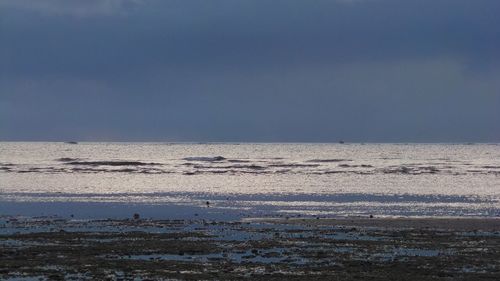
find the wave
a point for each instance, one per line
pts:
(111, 163)
(206, 159)
(327, 160)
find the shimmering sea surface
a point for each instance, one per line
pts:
(184, 180)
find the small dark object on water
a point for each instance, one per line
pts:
(136, 216)
(341, 141)
(371, 216)
(71, 142)
(208, 204)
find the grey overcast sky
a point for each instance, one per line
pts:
(250, 70)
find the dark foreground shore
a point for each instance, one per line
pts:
(293, 249)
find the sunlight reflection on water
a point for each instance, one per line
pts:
(328, 179)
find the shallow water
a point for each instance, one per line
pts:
(239, 180)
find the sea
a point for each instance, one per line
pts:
(232, 181)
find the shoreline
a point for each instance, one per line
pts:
(223, 209)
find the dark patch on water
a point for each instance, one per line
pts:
(238, 161)
(327, 160)
(67, 159)
(293, 165)
(249, 166)
(410, 170)
(123, 170)
(205, 159)
(355, 166)
(111, 163)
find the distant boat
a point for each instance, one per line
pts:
(341, 142)
(71, 142)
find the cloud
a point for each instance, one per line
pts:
(404, 100)
(258, 34)
(78, 8)
(379, 70)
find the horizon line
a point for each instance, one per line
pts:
(249, 142)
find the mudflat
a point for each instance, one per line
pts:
(436, 223)
(258, 249)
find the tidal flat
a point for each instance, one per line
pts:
(54, 248)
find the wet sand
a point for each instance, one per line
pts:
(256, 249)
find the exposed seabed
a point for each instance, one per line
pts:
(54, 248)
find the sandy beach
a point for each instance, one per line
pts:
(256, 249)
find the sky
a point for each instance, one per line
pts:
(250, 71)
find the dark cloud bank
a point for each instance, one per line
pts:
(366, 71)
